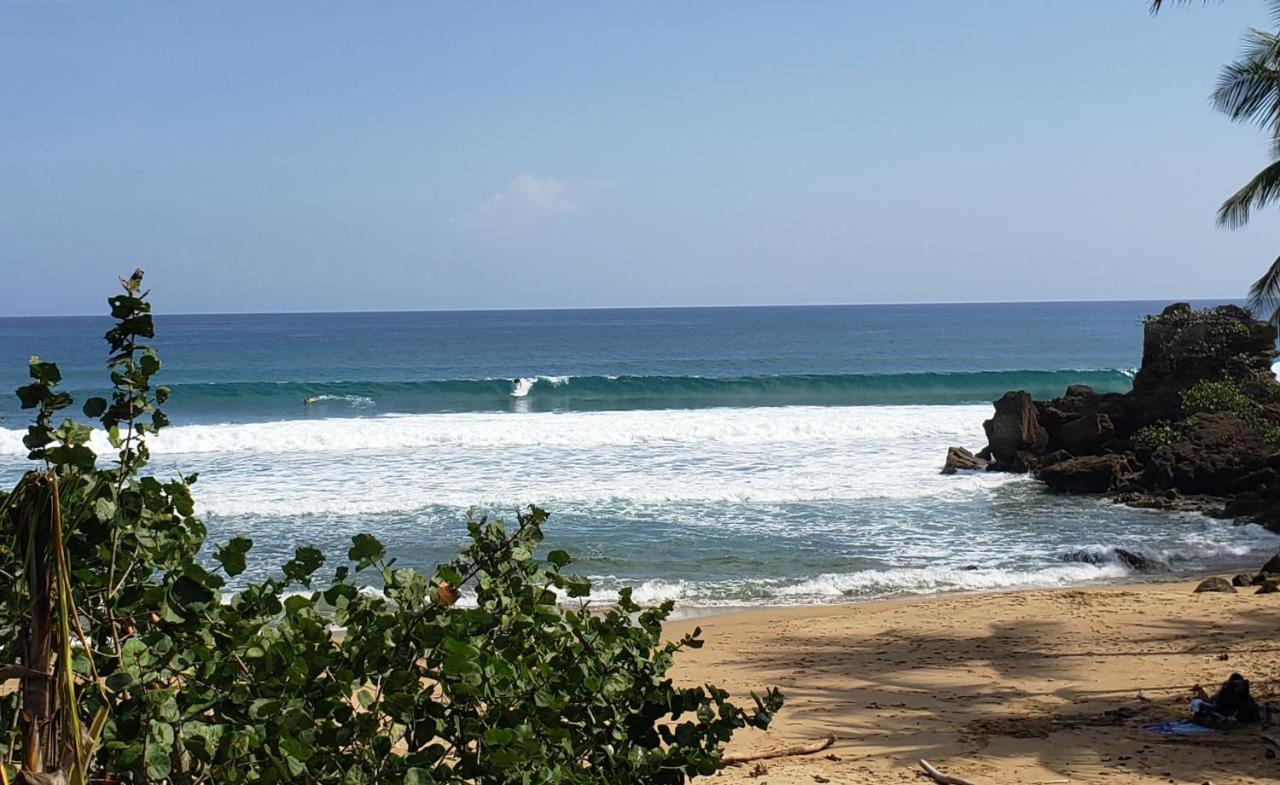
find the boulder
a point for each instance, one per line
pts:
(1138, 562)
(1085, 435)
(1215, 584)
(1015, 437)
(959, 458)
(1088, 474)
(1268, 588)
(1242, 580)
(1272, 567)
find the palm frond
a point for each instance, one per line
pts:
(1264, 295)
(1156, 5)
(1262, 190)
(1249, 88)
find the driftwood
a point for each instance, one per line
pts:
(804, 749)
(939, 777)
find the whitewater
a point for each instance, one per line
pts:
(727, 506)
(717, 457)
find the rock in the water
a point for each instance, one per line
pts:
(1089, 474)
(1137, 561)
(1015, 437)
(959, 458)
(1216, 584)
(1085, 435)
(1242, 580)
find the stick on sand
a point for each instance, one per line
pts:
(807, 749)
(939, 777)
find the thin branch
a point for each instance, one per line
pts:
(805, 749)
(939, 777)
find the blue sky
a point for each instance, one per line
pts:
(272, 156)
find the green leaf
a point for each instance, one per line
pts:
(305, 561)
(232, 555)
(264, 708)
(366, 550)
(417, 776)
(104, 510)
(559, 558)
(94, 407)
(159, 750)
(43, 373)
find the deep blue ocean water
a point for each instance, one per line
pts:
(714, 455)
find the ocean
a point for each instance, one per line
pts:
(715, 456)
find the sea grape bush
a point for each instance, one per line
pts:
(163, 675)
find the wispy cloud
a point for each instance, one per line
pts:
(527, 200)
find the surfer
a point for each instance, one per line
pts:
(311, 400)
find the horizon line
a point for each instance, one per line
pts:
(528, 309)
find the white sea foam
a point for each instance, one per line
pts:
(851, 425)
(397, 463)
(863, 481)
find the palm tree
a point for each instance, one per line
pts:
(1248, 90)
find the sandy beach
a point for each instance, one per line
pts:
(1043, 687)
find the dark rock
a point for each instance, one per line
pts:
(1088, 474)
(1268, 588)
(959, 458)
(1215, 584)
(1182, 346)
(1272, 567)
(1015, 437)
(1242, 580)
(1138, 562)
(1216, 463)
(1057, 456)
(1085, 435)
(1218, 450)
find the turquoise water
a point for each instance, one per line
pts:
(720, 456)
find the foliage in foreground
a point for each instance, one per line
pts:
(162, 676)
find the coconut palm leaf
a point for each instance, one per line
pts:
(1156, 5)
(1264, 295)
(1259, 192)
(1249, 88)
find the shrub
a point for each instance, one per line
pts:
(162, 676)
(1206, 397)
(1160, 434)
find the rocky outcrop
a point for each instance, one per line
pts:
(1015, 437)
(1089, 474)
(1199, 431)
(1183, 346)
(1217, 454)
(960, 459)
(1086, 434)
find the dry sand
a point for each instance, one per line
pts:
(1019, 687)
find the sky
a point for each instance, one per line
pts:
(317, 156)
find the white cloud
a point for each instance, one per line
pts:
(527, 200)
